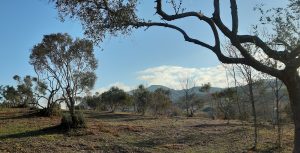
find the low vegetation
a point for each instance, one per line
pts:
(21, 131)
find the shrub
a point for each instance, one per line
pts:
(77, 122)
(48, 112)
(55, 110)
(175, 111)
(66, 121)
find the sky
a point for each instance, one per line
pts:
(155, 56)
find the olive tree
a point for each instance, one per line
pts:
(102, 17)
(70, 62)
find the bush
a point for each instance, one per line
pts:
(175, 111)
(66, 121)
(48, 112)
(77, 122)
(53, 110)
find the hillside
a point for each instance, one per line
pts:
(176, 94)
(268, 94)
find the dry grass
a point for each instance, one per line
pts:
(123, 132)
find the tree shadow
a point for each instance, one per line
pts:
(197, 139)
(270, 149)
(140, 118)
(21, 116)
(116, 116)
(151, 142)
(45, 131)
(217, 125)
(108, 116)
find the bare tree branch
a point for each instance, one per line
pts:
(234, 15)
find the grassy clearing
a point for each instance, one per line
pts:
(123, 132)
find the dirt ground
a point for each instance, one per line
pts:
(20, 131)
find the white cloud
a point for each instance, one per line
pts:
(117, 84)
(172, 76)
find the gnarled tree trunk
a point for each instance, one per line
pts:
(292, 82)
(72, 109)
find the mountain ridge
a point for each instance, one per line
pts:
(175, 95)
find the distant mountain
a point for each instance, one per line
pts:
(152, 88)
(265, 85)
(175, 95)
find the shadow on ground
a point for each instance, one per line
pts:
(217, 125)
(20, 116)
(116, 116)
(45, 131)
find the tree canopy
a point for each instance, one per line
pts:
(70, 62)
(114, 98)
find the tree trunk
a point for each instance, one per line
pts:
(134, 107)
(292, 82)
(237, 95)
(186, 105)
(278, 121)
(251, 97)
(72, 109)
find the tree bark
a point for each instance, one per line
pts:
(236, 94)
(186, 104)
(292, 82)
(72, 109)
(251, 97)
(278, 120)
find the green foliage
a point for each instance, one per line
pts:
(175, 111)
(205, 87)
(225, 103)
(25, 90)
(115, 98)
(92, 101)
(46, 90)
(55, 110)
(86, 80)
(160, 102)
(142, 99)
(69, 122)
(71, 63)
(11, 96)
(66, 121)
(1, 93)
(101, 17)
(284, 22)
(191, 103)
(20, 96)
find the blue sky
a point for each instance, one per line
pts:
(149, 57)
